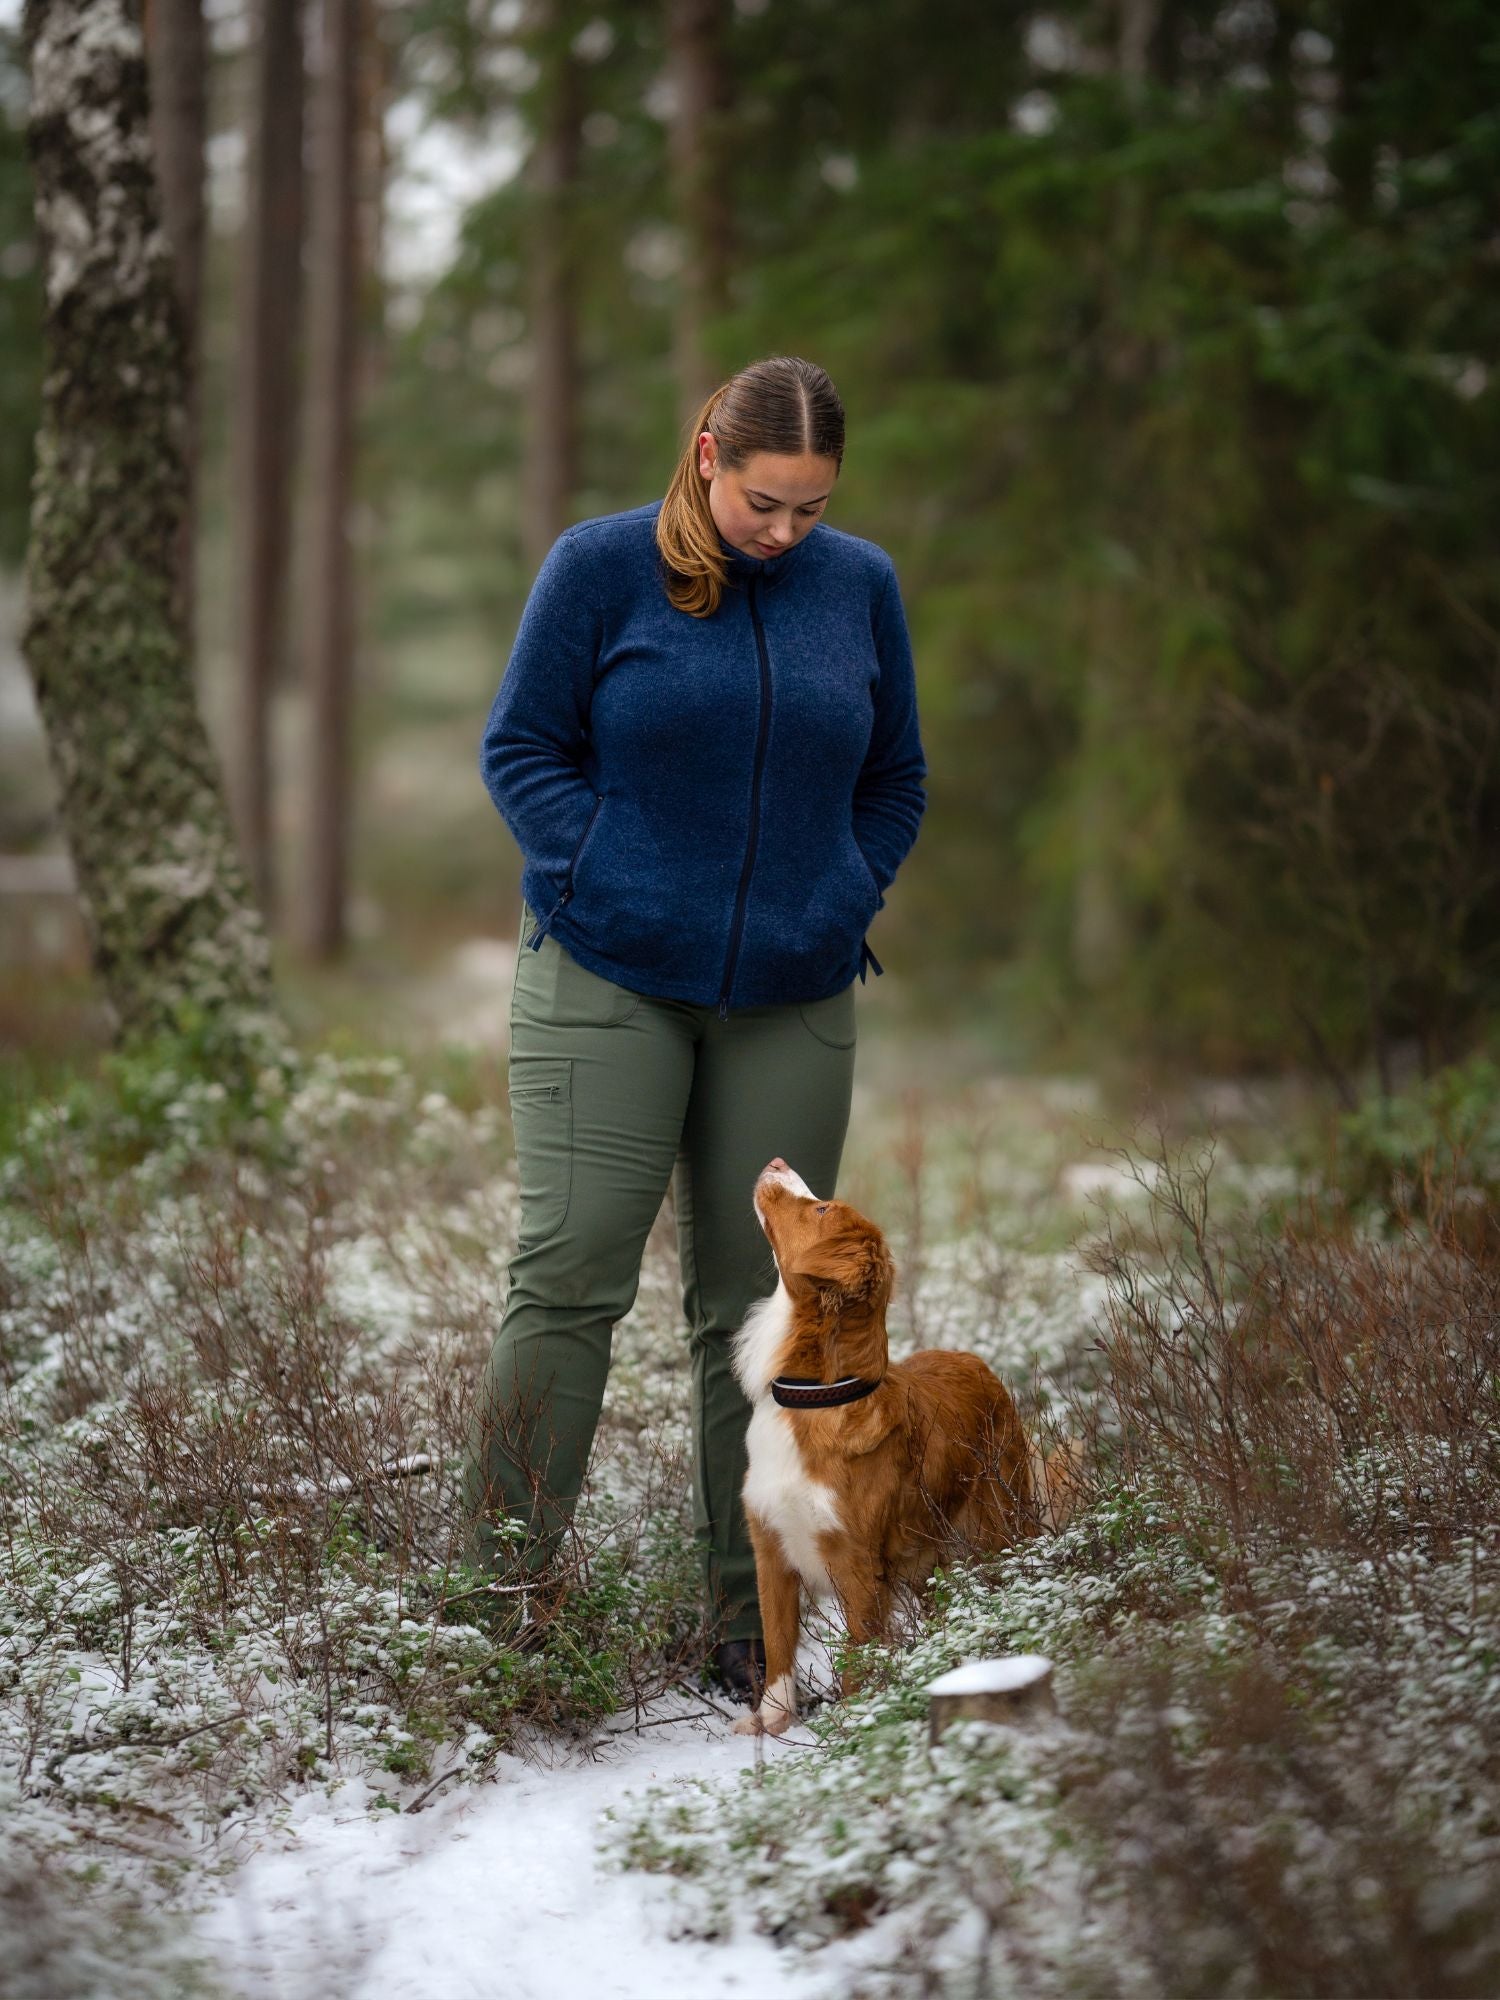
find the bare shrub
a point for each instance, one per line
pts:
(1293, 1787)
(1315, 1386)
(232, 1533)
(1249, 1846)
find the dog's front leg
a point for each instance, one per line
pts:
(780, 1591)
(865, 1599)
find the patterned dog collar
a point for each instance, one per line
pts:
(799, 1392)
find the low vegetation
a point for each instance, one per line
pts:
(238, 1333)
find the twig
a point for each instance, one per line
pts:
(422, 1799)
(698, 1695)
(656, 1722)
(341, 1483)
(488, 1590)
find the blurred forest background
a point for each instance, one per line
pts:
(1166, 332)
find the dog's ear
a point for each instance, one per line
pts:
(852, 1263)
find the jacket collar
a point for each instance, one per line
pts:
(767, 570)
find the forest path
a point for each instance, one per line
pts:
(496, 1889)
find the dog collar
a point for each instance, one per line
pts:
(801, 1392)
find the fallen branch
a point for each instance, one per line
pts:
(341, 1483)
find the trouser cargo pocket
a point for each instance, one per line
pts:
(541, 1117)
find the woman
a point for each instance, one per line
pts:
(706, 745)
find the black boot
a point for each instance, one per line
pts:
(739, 1667)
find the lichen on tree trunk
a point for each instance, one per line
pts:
(174, 931)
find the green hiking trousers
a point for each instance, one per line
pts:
(614, 1095)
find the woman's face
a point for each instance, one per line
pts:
(771, 502)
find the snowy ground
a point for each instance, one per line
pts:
(499, 1880)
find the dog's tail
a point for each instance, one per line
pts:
(1057, 1481)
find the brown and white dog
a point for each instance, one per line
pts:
(862, 1470)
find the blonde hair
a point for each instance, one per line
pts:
(782, 404)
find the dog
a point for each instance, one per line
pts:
(862, 1470)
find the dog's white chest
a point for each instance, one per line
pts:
(777, 1488)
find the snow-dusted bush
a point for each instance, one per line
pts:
(218, 1339)
(67, 1936)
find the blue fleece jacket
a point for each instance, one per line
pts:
(709, 809)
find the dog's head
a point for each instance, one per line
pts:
(836, 1268)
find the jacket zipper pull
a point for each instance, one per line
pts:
(724, 1009)
(866, 953)
(534, 942)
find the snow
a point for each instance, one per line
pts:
(1007, 1676)
(492, 1885)
(1107, 1179)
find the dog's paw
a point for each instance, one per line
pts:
(776, 1713)
(778, 1706)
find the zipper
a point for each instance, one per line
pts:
(534, 942)
(762, 732)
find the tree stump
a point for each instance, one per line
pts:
(1015, 1692)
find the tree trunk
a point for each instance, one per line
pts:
(1101, 926)
(172, 927)
(695, 43)
(550, 456)
(333, 375)
(176, 55)
(377, 81)
(377, 77)
(266, 424)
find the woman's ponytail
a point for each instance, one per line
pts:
(784, 405)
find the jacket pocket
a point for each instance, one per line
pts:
(626, 897)
(541, 1116)
(837, 915)
(875, 889)
(584, 839)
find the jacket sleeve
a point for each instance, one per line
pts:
(530, 756)
(888, 796)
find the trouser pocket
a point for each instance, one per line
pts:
(541, 1116)
(831, 1020)
(553, 990)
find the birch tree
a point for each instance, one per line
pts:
(174, 934)
(177, 86)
